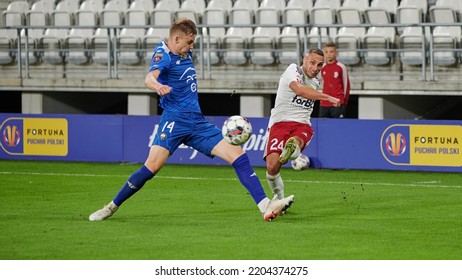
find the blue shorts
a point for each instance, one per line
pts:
(190, 129)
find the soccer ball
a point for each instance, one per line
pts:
(302, 162)
(236, 130)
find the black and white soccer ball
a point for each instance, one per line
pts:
(301, 162)
(236, 130)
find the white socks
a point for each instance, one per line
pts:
(262, 205)
(276, 185)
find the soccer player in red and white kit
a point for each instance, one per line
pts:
(335, 82)
(289, 124)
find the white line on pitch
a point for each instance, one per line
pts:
(235, 179)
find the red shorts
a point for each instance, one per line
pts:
(281, 131)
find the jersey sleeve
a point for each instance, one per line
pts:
(292, 73)
(346, 85)
(160, 59)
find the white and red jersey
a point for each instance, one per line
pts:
(288, 106)
(335, 83)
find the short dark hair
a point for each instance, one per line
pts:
(184, 25)
(316, 51)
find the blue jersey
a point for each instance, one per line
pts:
(182, 121)
(179, 73)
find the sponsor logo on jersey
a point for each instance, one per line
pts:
(302, 102)
(157, 57)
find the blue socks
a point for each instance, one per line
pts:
(133, 184)
(241, 166)
(248, 178)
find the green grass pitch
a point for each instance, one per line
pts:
(203, 213)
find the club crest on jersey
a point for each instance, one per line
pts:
(157, 57)
(163, 136)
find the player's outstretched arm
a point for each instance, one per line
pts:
(153, 84)
(310, 93)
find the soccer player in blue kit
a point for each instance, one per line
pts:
(173, 76)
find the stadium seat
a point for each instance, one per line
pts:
(387, 6)
(445, 40)
(111, 15)
(43, 5)
(378, 45)
(14, 15)
(170, 5)
(412, 45)
(422, 5)
(349, 39)
(220, 4)
(251, 5)
(318, 36)
(78, 40)
(278, 5)
(411, 11)
(333, 4)
(67, 5)
(407, 16)
(34, 18)
(323, 12)
(92, 5)
(377, 16)
(53, 41)
(192, 9)
(213, 37)
(18, 5)
(379, 41)
(455, 5)
(360, 5)
(442, 14)
(236, 40)
(129, 45)
(145, 5)
(306, 5)
(161, 19)
(289, 44)
(7, 50)
(263, 40)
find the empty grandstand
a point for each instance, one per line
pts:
(404, 57)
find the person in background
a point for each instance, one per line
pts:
(289, 124)
(335, 82)
(173, 77)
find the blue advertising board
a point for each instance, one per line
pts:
(336, 144)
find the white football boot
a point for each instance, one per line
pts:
(276, 207)
(104, 213)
